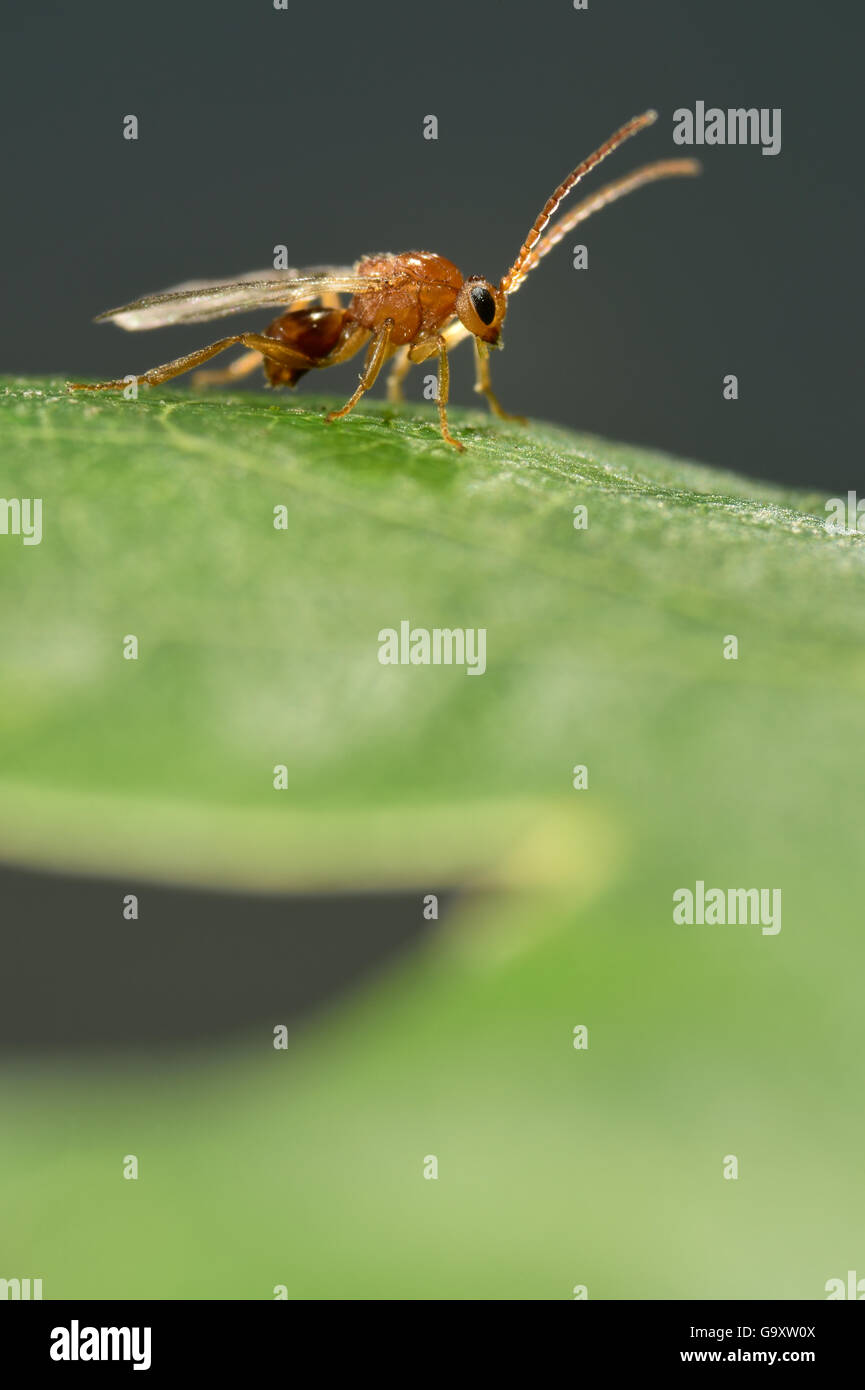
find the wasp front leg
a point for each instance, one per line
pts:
(419, 353)
(484, 385)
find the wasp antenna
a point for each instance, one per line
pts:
(610, 193)
(520, 269)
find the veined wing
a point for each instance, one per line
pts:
(195, 301)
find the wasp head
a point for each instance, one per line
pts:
(481, 308)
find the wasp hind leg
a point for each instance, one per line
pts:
(267, 347)
(225, 376)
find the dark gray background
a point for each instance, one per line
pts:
(195, 967)
(304, 127)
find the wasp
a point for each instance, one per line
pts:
(404, 308)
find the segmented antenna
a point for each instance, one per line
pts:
(610, 193)
(519, 270)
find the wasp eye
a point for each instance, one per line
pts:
(484, 304)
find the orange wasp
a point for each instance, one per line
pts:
(407, 307)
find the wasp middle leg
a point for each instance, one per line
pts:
(397, 375)
(375, 358)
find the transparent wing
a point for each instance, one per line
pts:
(195, 301)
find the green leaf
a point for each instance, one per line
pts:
(605, 648)
(259, 646)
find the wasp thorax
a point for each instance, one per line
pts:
(480, 308)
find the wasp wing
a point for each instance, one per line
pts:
(195, 301)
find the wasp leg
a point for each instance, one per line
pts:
(453, 335)
(250, 360)
(419, 352)
(267, 347)
(484, 386)
(443, 392)
(376, 354)
(224, 376)
(398, 373)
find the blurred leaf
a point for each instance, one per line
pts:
(259, 646)
(557, 1167)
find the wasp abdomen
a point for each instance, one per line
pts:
(314, 332)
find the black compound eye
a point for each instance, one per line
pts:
(484, 304)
